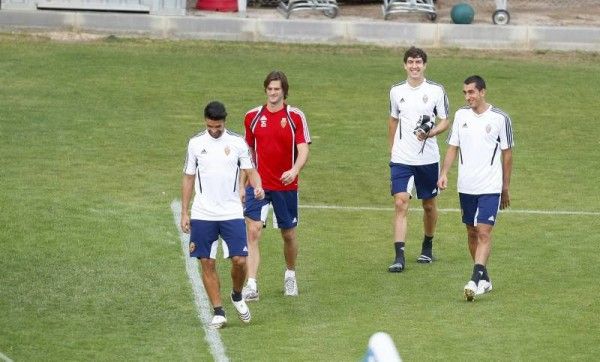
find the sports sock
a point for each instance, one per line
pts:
(290, 273)
(252, 284)
(399, 247)
(477, 273)
(219, 311)
(236, 296)
(485, 275)
(427, 245)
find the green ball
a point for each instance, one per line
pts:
(462, 14)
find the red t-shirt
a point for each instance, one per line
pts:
(273, 137)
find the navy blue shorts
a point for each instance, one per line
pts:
(479, 209)
(204, 238)
(285, 207)
(424, 178)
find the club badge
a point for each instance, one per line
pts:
(425, 98)
(263, 121)
(192, 247)
(283, 122)
(227, 150)
(488, 128)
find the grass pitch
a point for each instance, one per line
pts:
(92, 138)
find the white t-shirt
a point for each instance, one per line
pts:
(481, 137)
(408, 104)
(216, 163)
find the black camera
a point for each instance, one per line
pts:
(425, 124)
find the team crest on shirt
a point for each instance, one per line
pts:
(192, 247)
(283, 122)
(425, 98)
(227, 150)
(263, 121)
(488, 128)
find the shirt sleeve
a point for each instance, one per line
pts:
(189, 165)
(442, 105)
(249, 136)
(302, 132)
(244, 156)
(393, 107)
(506, 134)
(453, 138)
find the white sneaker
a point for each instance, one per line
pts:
(249, 294)
(242, 310)
(484, 287)
(218, 321)
(470, 291)
(290, 287)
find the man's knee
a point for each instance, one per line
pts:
(401, 202)
(254, 230)
(429, 206)
(239, 262)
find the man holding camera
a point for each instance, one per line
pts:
(415, 104)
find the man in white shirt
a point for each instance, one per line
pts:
(212, 167)
(482, 137)
(415, 104)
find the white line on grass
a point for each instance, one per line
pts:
(509, 211)
(202, 304)
(5, 358)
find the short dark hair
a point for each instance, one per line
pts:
(414, 52)
(215, 111)
(280, 76)
(479, 82)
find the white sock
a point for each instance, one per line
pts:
(251, 283)
(290, 273)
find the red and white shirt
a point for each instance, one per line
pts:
(273, 136)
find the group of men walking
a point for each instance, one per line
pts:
(235, 178)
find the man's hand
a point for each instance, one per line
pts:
(504, 200)
(185, 222)
(422, 136)
(259, 193)
(442, 182)
(288, 176)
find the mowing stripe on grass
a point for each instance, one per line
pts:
(5, 358)
(203, 307)
(509, 211)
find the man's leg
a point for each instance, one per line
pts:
(290, 252)
(472, 240)
(238, 275)
(482, 253)
(210, 278)
(401, 202)
(484, 243)
(290, 247)
(254, 231)
(430, 217)
(238, 272)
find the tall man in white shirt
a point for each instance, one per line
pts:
(482, 137)
(212, 167)
(415, 104)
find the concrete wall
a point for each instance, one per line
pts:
(309, 31)
(156, 7)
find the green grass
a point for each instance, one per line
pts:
(92, 137)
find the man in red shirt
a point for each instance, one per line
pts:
(278, 136)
